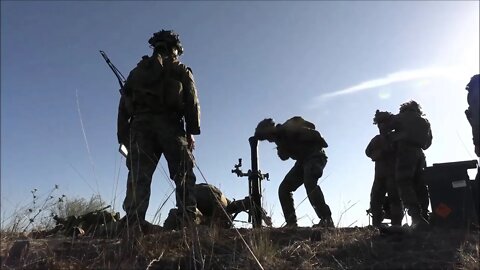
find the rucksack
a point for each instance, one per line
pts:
(153, 87)
(298, 126)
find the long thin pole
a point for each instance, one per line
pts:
(255, 185)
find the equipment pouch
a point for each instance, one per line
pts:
(173, 95)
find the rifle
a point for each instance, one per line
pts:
(118, 74)
(121, 81)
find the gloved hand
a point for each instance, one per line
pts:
(123, 137)
(282, 154)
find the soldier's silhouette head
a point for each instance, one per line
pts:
(265, 130)
(474, 83)
(382, 120)
(166, 43)
(411, 106)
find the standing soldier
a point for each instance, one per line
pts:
(297, 139)
(381, 151)
(473, 116)
(473, 111)
(158, 114)
(412, 135)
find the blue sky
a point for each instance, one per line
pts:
(334, 63)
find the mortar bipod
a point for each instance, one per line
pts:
(238, 171)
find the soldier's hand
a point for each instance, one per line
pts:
(191, 142)
(282, 154)
(123, 136)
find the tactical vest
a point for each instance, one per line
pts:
(155, 88)
(413, 128)
(299, 124)
(297, 139)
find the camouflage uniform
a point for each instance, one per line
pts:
(216, 209)
(412, 134)
(297, 139)
(382, 153)
(161, 100)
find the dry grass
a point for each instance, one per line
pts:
(211, 248)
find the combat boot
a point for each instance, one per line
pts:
(325, 223)
(129, 222)
(396, 221)
(377, 220)
(129, 228)
(396, 215)
(291, 221)
(419, 223)
(291, 225)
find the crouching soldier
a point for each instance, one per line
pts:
(381, 151)
(216, 209)
(297, 139)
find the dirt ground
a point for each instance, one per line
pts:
(270, 248)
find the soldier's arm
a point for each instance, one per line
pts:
(429, 139)
(473, 111)
(123, 123)
(369, 149)
(474, 120)
(192, 105)
(125, 107)
(374, 149)
(282, 153)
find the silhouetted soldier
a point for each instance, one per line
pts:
(297, 139)
(473, 116)
(159, 114)
(412, 135)
(473, 111)
(217, 210)
(381, 151)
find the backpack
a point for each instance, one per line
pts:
(303, 130)
(153, 87)
(414, 129)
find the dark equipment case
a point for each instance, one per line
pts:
(453, 196)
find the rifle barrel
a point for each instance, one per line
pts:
(118, 74)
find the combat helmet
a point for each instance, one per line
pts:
(264, 127)
(474, 83)
(381, 117)
(166, 39)
(411, 106)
